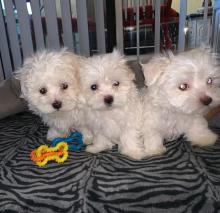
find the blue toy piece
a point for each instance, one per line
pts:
(74, 141)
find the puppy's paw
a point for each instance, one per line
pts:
(94, 149)
(155, 151)
(53, 133)
(153, 144)
(87, 136)
(136, 153)
(207, 139)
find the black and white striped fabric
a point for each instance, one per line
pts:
(185, 179)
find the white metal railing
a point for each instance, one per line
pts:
(182, 20)
(23, 33)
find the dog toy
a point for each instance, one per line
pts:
(43, 154)
(74, 141)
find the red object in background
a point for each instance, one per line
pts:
(167, 41)
(167, 15)
(141, 14)
(149, 12)
(146, 17)
(130, 21)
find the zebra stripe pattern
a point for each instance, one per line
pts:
(184, 179)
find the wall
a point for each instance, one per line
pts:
(73, 8)
(90, 8)
(192, 5)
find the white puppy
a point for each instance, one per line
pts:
(180, 89)
(113, 105)
(50, 84)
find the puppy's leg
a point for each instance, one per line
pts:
(54, 133)
(131, 144)
(153, 143)
(100, 143)
(87, 136)
(199, 133)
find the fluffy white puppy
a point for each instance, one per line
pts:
(180, 89)
(113, 105)
(211, 60)
(50, 84)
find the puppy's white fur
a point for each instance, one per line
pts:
(170, 111)
(117, 123)
(50, 70)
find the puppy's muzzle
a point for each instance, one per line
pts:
(57, 105)
(206, 100)
(108, 100)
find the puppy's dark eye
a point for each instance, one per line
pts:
(43, 90)
(183, 87)
(64, 86)
(209, 80)
(94, 87)
(116, 83)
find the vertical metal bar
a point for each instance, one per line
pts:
(12, 34)
(67, 24)
(157, 27)
(138, 29)
(205, 23)
(37, 23)
(25, 31)
(1, 75)
(82, 24)
(129, 3)
(182, 20)
(4, 48)
(125, 6)
(100, 28)
(217, 33)
(1, 71)
(51, 23)
(216, 28)
(119, 25)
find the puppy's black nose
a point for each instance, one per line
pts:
(206, 100)
(57, 104)
(108, 99)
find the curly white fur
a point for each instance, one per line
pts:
(120, 121)
(51, 70)
(169, 110)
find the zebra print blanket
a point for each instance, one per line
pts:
(185, 179)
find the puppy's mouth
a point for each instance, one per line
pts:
(109, 105)
(63, 110)
(103, 107)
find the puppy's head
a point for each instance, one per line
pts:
(189, 81)
(106, 81)
(49, 81)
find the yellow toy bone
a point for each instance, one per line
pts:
(43, 154)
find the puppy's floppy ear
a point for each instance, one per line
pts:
(131, 74)
(23, 74)
(116, 52)
(116, 55)
(154, 68)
